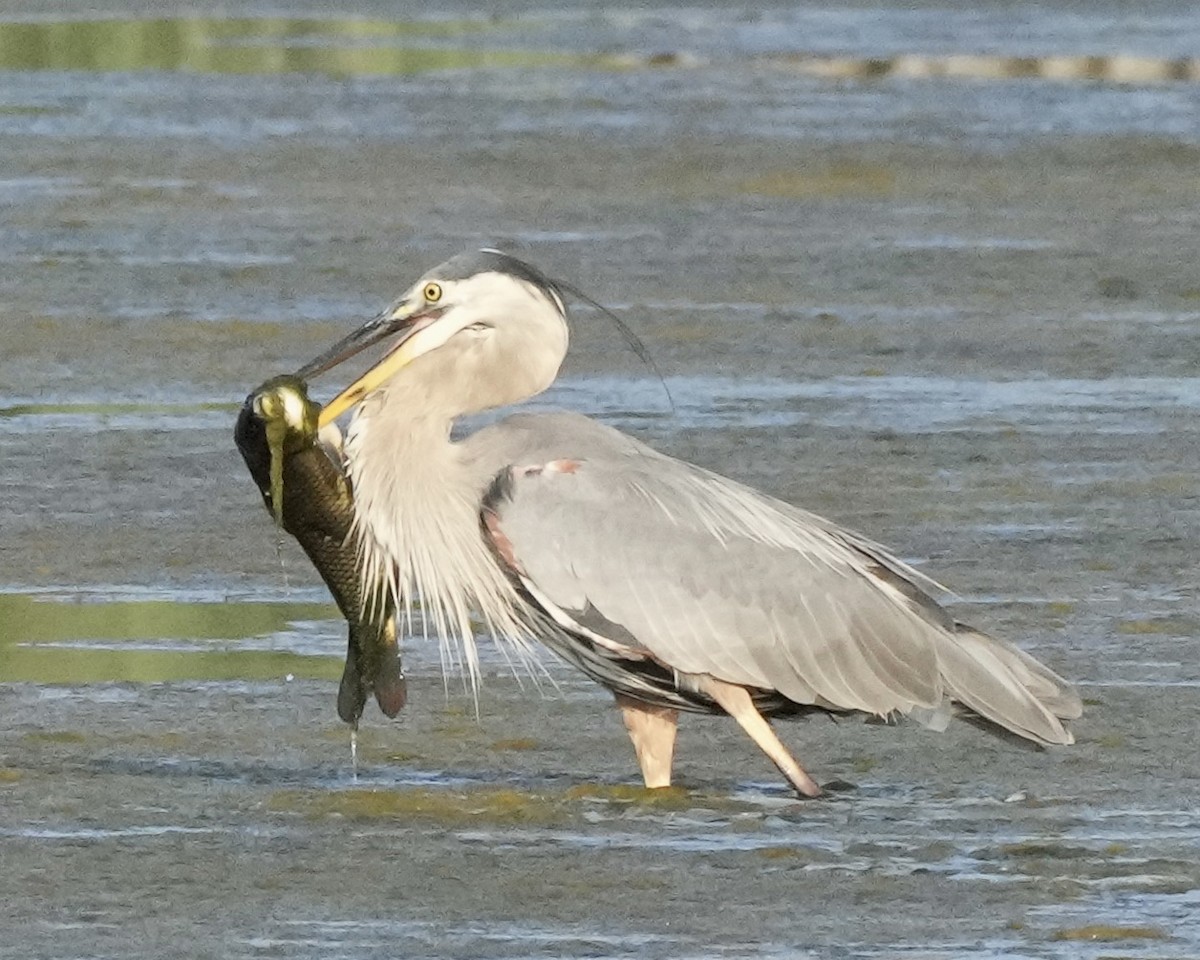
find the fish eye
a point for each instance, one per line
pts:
(432, 292)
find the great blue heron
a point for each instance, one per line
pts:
(672, 586)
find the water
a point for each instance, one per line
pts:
(925, 270)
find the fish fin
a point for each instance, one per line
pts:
(352, 692)
(392, 694)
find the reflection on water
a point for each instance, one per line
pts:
(349, 937)
(1113, 69)
(42, 418)
(363, 46)
(258, 45)
(907, 404)
(152, 641)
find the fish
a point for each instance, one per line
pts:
(308, 493)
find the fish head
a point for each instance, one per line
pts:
(283, 402)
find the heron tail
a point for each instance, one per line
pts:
(1006, 686)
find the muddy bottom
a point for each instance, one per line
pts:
(226, 818)
(904, 266)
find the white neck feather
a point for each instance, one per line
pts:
(417, 523)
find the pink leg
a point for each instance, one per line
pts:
(652, 730)
(736, 701)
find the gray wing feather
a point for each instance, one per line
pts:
(1050, 690)
(1006, 685)
(711, 577)
(710, 580)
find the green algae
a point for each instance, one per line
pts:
(57, 641)
(1045, 851)
(800, 856)
(257, 45)
(1151, 626)
(780, 853)
(501, 806)
(446, 808)
(276, 430)
(665, 799)
(832, 181)
(1100, 932)
(516, 743)
(661, 798)
(863, 764)
(55, 736)
(114, 409)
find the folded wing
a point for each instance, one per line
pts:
(702, 576)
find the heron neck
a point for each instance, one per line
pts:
(417, 518)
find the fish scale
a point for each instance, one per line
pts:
(310, 498)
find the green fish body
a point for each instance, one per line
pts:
(309, 495)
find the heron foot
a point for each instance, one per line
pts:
(736, 701)
(652, 730)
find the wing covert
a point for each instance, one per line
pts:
(708, 577)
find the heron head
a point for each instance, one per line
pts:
(497, 321)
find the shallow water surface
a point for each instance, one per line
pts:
(248, 45)
(926, 270)
(85, 640)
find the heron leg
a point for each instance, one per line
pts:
(735, 701)
(652, 730)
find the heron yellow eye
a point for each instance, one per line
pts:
(432, 292)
